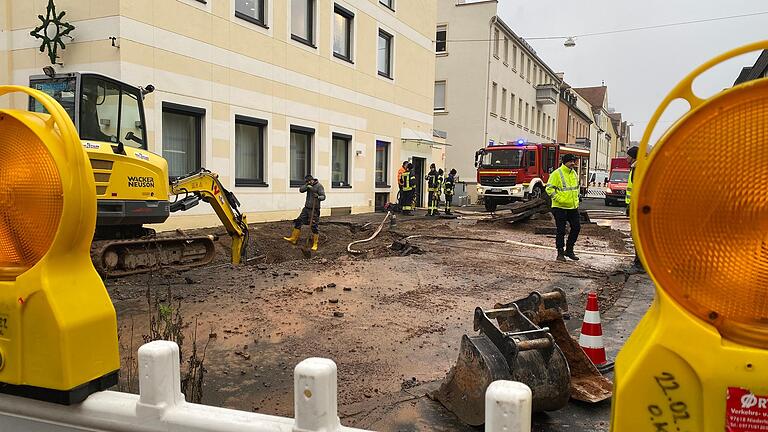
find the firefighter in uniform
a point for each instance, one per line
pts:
(637, 266)
(440, 184)
(563, 189)
(408, 182)
(400, 172)
(448, 187)
(433, 188)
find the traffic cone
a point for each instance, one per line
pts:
(591, 338)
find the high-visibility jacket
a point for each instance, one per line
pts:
(400, 176)
(449, 185)
(408, 180)
(432, 183)
(563, 187)
(440, 182)
(628, 195)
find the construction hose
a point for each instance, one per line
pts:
(517, 243)
(378, 230)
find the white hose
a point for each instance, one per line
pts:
(378, 230)
(517, 243)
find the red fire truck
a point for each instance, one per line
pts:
(617, 181)
(519, 170)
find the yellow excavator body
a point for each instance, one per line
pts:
(133, 186)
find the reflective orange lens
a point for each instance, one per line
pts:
(703, 214)
(30, 197)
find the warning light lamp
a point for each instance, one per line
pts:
(520, 141)
(699, 357)
(58, 328)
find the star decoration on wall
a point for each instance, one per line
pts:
(51, 31)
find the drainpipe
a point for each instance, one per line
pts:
(488, 80)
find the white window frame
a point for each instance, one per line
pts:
(445, 101)
(444, 28)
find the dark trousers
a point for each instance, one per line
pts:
(448, 202)
(572, 218)
(303, 219)
(433, 199)
(406, 199)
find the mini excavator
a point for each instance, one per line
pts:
(133, 187)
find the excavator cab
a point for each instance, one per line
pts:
(132, 184)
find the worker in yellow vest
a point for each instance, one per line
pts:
(563, 188)
(433, 186)
(632, 158)
(408, 183)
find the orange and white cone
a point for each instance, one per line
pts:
(591, 338)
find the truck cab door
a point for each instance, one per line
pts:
(548, 161)
(532, 168)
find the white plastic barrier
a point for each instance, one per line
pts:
(161, 407)
(508, 406)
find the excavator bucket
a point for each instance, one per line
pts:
(528, 355)
(546, 311)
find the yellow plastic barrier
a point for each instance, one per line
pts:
(58, 328)
(698, 360)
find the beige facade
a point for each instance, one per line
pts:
(494, 86)
(602, 135)
(622, 133)
(574, 118)
(207, 57)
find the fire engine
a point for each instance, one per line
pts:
(616, 188)
(519, 170)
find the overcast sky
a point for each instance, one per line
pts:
(641, 67)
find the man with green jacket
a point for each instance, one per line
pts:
(637, 266)
(563, 188)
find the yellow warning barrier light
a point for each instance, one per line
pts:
(698, 360)
(58, 328)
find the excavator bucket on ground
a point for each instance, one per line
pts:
(546, 311)
(528, 355)
(529, 344)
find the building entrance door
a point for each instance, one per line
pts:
(419, 165)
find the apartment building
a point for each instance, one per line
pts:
(622, 132)
(603, 135)
(260, 91)
(490, 86)
(574, 119)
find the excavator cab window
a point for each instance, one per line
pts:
(102, 109)
(99, 108)
(110, 112)
(64, 90)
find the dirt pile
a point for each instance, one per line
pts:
(388, 321)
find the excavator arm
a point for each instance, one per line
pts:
(205, 185)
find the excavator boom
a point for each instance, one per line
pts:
(206, 186)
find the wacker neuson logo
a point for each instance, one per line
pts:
(141, 182)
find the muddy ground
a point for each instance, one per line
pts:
(388, 321)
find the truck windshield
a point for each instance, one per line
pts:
(620, 176)
(503, 159)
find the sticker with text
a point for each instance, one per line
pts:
(745, 411)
